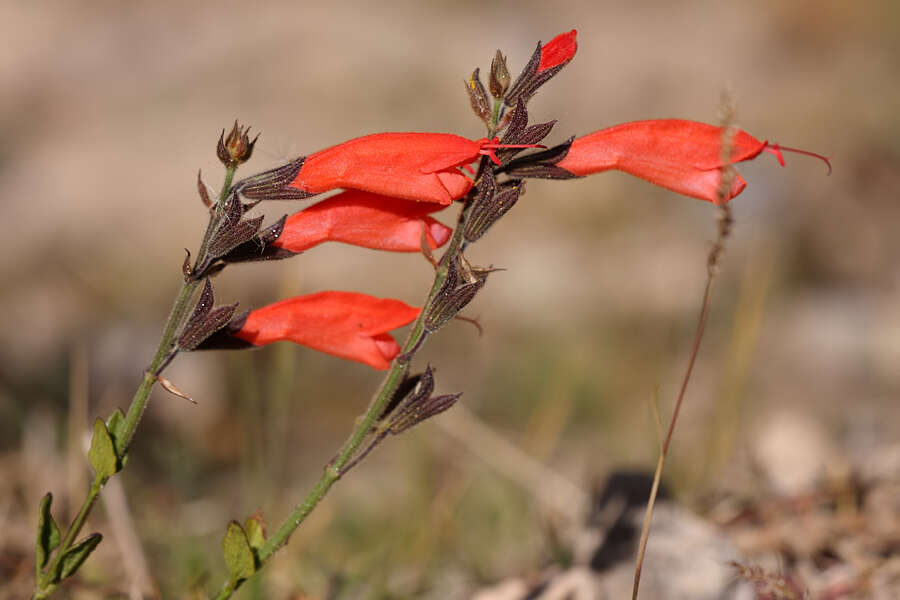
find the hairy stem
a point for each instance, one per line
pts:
(364, 424)
(47, 581)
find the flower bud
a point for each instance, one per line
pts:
(499, 80)
(478, 97)
(547, 61)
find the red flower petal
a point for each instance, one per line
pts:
(365, 219)
(559, 50)
(683, 156)
(344, 324)
(413, 166)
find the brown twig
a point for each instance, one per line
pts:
(725, 222)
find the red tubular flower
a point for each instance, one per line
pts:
(344, 324)
(412, 166)
(365, 219)
(548, 60)
(558, 51)
(682, 156)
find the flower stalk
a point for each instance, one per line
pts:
(392, 380)
(48, 579)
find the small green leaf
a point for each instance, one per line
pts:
(255, 528)
(77, 554)
(102, 453)
(238, 555)
(47, 534)
(115, 425)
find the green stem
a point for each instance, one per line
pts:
(389, 384)
(226, 186)
(47, 583)
(142, 395)
(364, 425)
(495, 117)
(179, 312)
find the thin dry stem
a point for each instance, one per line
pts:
(724, 222)
(657, 477)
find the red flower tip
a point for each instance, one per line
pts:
(682, 156)
(777, 150)
(344, 324)
(367, 220)
(559, 50)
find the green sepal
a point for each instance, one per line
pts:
(238, 554)
(103, 453)
(77, 554)
(47, 534)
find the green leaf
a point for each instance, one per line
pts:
(47, 534)
(255, 528)
(102, 453)
(238, 555)
(77, 554)
(115, 425)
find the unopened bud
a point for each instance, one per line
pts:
(237, 147)
(499, 79)
(546, 62)
(478, 97)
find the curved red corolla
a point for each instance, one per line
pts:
(682, 156)
(367, 220)
(412, 166)
(344, 324)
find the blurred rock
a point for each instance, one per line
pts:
(792, 452)
(687, 557)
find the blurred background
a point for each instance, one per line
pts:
(107, 111)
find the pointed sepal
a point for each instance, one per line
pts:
(459, 288)
(541, 165)
(260, 247)
(478, 98)
(274, 184)
(418, 404)
(232, 230)
(205, 320)
(491, 207)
